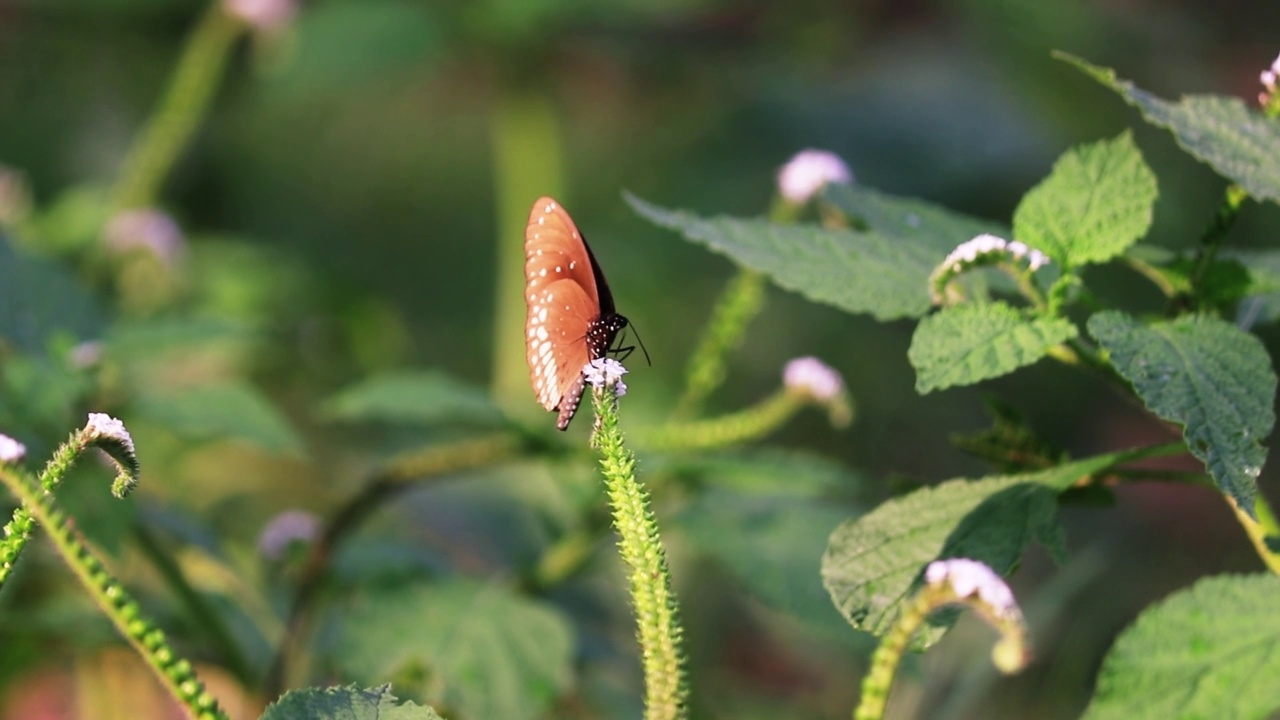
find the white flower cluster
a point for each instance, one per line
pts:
(968, 578)
(808, 172)
(11, 451)
(813, 377)
(985, 244)
(105, 427)
(602, 372)
(980, 248)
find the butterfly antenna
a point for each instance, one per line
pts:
(643, 349)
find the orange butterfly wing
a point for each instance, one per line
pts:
(562, 301)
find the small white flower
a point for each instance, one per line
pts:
(808, 172)
(11, 451)
(970, 577)
(813, 377)
(263, 15)
(602, 372)
(986, 244)
(105, 427)
(147, 228)
(285, 529)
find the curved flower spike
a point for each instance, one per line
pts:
(109, 435)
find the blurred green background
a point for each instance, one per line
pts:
(345, 201)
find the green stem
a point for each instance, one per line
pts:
(525, 135)
(656, 608)
(1264, 532)
(18, 530)
(185, 104)
(1233, 199)
(740, 302)
(743, 426)
(16, 534)
(398, 475)
(884, 663)
(175, 673)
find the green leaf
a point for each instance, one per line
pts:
(772, 545)
(859, 272)
(1207, 375)
(1097, 201)
(345, 703)
(475, 647)
(39, 299)
(1212, 651)
(872, 563)
(966, 344)
(222, 411)
(930, 225)
(140, 338)
(1010, 445)
(1240, 144)
(412, 397)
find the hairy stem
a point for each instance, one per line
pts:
(656, 608)
(175, 673)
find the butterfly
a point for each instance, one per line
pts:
(570, 318)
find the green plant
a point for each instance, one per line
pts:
(192, 326)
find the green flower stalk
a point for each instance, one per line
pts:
(175, 673)
(806, 381)
(799, 181)
(739, 304)
(185, 104)
(656, 608)
(948, 582)
(101, 431)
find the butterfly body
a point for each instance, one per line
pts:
(570, 317)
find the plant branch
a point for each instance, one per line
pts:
(400, 474)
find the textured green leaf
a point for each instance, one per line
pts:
(412, 397)
(475, 647)
(345, 703)
(1239, 143)
(222, 411)
(1097, 201)
(873, 563)
(1212, 651)
(860, 272)
(910, 219)
(1207, 375)
(966, 344)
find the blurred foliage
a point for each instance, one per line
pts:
(334, 293)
